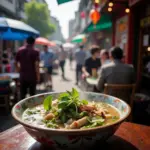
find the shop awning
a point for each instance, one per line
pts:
(104, 23)
(63, 1)
(79, 38)
(11, 29)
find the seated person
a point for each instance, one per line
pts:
(104, 56)
(92, 62)
(116, 72)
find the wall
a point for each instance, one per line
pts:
(121, 30)
(9, 5)
(81, 23)
(141, 27)
(121, 36)
(12, 9)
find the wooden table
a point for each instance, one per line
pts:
(128, 137)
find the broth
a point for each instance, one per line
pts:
(36, 116)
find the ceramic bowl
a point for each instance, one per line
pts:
(59, 138)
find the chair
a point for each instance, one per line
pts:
(123, 91)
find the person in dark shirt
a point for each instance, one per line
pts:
(92, 63)
(27, 64)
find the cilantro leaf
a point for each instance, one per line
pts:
(62, 104)
(63, 96)
(85, 102)
(48, 103)
(74, 93)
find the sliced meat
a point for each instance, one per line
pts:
(88, 108)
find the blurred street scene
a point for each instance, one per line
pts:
(92, 45)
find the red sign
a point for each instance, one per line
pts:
(133, 2)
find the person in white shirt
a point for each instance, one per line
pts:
(104, 56)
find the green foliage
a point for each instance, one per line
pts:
(39, 18)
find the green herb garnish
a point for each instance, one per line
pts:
(69, 103)
(32, 111)
(94, 122)
(48, 103)
(51, 123)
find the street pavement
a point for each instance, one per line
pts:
(61, 85)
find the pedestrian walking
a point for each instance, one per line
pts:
(62, 59)
(27, 64)
(80, 56)
(71, 58)
(47, 57)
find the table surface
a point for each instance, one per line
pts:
(16, 75)
(11, 75)
(129, 136)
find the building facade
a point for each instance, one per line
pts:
(57, 35)
(8, 8)
(12, 8)
(140, 41)
(79, 22)
(71, 27)
(131, 32)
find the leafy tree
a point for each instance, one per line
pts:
(37, 15)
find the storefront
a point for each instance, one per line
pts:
(121, 28)
(141, 42)
(101, 33)
(121, 33)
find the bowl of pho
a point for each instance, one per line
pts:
(71, 119)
